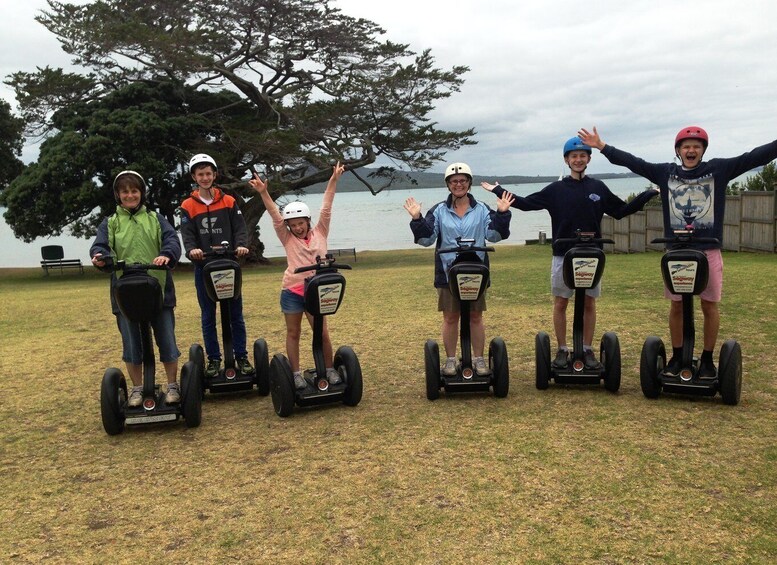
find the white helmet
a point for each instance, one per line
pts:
(458, 169)
(199, 159)
(296, 210)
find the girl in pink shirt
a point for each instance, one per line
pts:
(302, 243)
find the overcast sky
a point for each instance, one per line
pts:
(539, 70)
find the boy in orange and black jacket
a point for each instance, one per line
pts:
(211, 217)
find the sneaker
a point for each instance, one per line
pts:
(449, 369)
(562, 359)
(673, 368)
(480, 367)
(135, 397)
(299, 381)
(707, 370)
(244, 366)
(173, 395)
(590, 361)
(213, 368)
(333, 377)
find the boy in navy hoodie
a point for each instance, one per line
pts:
(576, 202)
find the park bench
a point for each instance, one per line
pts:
(53, 258)
(343, 250)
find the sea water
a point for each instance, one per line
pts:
(359, 220)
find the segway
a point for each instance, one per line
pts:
(139, 296)
(324, 293)
(583, 269)
(685, 272)
(223, 281)
(468, 279)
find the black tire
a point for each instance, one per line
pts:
(500, 370)
(542, 360)
(432, 364)
(730, 372)
(262, 367)
(610, 357)
(197, 356)
(191, 394)
(113, 399)
(347, 364)
(281, 385)
(651, 364)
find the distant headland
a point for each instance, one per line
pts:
(349, 183)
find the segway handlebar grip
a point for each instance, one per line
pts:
(122, 265)
(465, 249)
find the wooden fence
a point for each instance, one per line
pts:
(750, 224)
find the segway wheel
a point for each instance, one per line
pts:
(191, 394)
(113, 397)
(262, 367)
(347, 364)
(497, 361)
(542, 360)
(432, 364)
(651, 364)
(610, 356)
(730, 372)
(281, 385)
(197, 356)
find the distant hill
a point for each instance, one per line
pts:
(349, 183)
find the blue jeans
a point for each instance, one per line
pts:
(209, 333)
(164, 334)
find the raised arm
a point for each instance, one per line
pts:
(262, 187)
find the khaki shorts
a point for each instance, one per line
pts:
(447, 303)
(559, 288)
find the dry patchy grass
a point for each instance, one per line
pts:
(572, 474)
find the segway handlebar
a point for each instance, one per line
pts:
(112, 265)
(584, 238)
(222, 250)
(465, 246)
(685, 238)
(327, 262)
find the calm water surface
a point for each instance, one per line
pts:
(359, 220)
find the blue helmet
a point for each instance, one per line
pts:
(575, 144)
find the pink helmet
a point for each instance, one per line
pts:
(692, 132)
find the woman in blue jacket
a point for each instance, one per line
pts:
(460, 215)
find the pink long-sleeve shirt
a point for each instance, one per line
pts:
(300, 252)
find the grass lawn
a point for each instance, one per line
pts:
(573, 474)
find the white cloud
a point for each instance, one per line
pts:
(540, 70)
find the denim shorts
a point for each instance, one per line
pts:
(164, 334)
(291, 302)
(559, 288)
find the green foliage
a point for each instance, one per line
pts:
(10, 144)
(286, 85)
(763, 181)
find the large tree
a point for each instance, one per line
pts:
(288, 86)
(11, 142)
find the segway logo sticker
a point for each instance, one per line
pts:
(329, 298)
(223, 283)
(585, 271)
(683, 276)
(469, 286)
